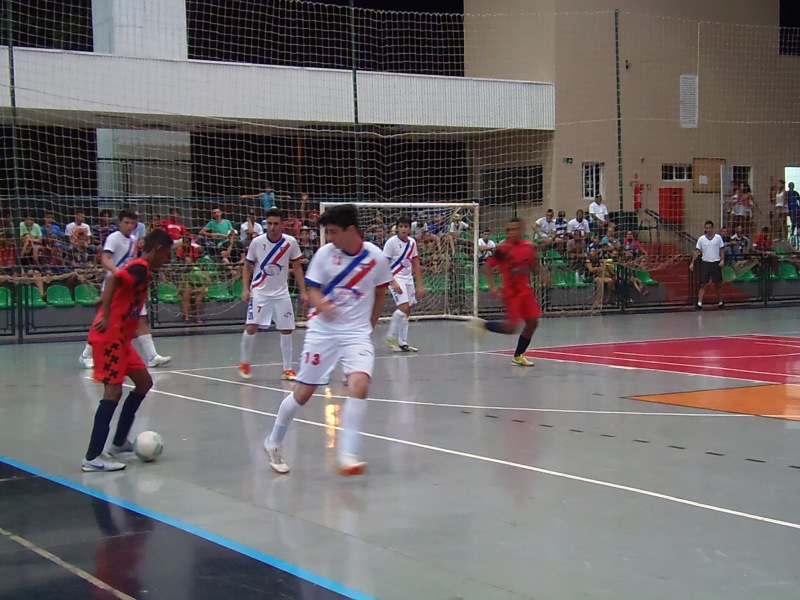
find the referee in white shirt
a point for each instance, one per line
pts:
(712, 249)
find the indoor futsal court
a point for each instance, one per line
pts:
(644, 456)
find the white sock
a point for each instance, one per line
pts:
(353, 413)
(87, 351)
(286, 412)
(148, 346)
(394, 324)
(403, 337)
(286, 351)
(246, 351)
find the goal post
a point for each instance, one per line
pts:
(447, 236)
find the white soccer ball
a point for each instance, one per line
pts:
(148, 446)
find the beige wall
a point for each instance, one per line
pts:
(749, 94)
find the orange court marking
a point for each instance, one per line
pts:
(776, 401)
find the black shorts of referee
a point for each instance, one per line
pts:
(710, 271)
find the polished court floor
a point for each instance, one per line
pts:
(644, 456)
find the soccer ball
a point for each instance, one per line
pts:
(148, 446)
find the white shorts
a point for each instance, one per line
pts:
(143, 312)
(408, 294)
(321, 352)
(265, 311)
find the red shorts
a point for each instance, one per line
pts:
(521, 307)
(114, 360)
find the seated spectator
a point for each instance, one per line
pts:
(597, 270)
(155, 223)
(561, 226)
(739, 244)
(596, 244)
(576, 249)
(8, 255)
(486, 247)
(104, 229)
(307, 246)
(174, 226)
(233, 252)
(544, 229)
(598, 213)
(76, 227)
(578, 224)
(194, 284)
(30, 235)
(250, 226)
(312, 222)
(631, 247)
(763, 248)
(51, 228)
(81, 257)
(610, 242)
(187, 251)
(7, 230)
(376, 231)
(217, 231)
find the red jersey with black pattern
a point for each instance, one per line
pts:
(130, 293)
(514, 260)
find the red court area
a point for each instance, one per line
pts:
(763, 358)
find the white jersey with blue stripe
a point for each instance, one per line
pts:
(349, 283)
(270, 262)
(121, 247)
(400, 255)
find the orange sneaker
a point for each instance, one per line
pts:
(289, 375)
(350, 464)
(244, 370)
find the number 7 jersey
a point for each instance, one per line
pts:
(349, 283)
(270, 262)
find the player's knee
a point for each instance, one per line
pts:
(251, 329)
(112, 392)
(358, 385)
(405, 308)
(285, 331)
(302, 393)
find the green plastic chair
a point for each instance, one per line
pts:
(646, 278)
(788, 272)
(747, 276)
(434, 284)
(500, 237)
(32, 298)
(728, 274)
(218, 290)
(86, 294)
(483, 283)
(168, 292)
(59, 296)
(236, 289)
(468, 286)
(553, 258)
(574, 279)
(558, 279)
(6, 299)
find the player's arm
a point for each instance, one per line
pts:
(488, 270)
(106, 263)
(380, 302)
(695, 254)
(297, 272)
(416, 268)
(247, 277)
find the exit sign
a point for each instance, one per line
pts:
(568, 160)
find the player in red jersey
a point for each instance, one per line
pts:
(515, 258)
(115, 358)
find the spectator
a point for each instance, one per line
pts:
(267, 197)
(632, 247)
(250, 226)
(779, 211)
(104, 229)
(598, 213)
(7, 230)
(291, 224)
(78, 225)
(610, 242)
(307, 246)
(544, 229)
(738, 244)
(711, 248)
(561, 225)
(748, 204)
(763, 247)
(188, 251)
(217, 230)
(30, 234)
(793, 205)
(486, 247)
(599, 271)
(139, 231)
(578, 224)
(596, 244)
(312, 222)
(155, 223)
(51, 228)
(173, 225)
(80, 256)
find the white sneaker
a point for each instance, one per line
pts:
(158, 360)
(477, 326)
(275, 454)
(86, 361)
(101, 463)
(406, 348)
(117, 451)
(350, 464)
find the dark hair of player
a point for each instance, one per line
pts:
(709, 223)
(343, 215)
(126, 213)
(404, 220)
(274, 212)
(157, 237)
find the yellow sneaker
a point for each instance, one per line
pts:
(521, 361)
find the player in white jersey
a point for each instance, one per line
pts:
(265, 279)
(346, 281)
(401, 251)
(119, 249)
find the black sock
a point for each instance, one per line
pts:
(102, 422)
(126, 416)
(522, 345)
(494, 326)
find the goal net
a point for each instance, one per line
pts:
(448, 251)
(182, 108)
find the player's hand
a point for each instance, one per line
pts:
(304, 301)
(396, 287)
(245, 294)
(420, 291)
(327, 310)
(691, 266)
(495, 292)
(101, 325)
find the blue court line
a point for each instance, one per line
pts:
(207, 535)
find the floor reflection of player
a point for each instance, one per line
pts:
(402, 421)
(119, 554)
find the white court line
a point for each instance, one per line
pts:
(479, 407)
(88, 577)
(726, 357)
(681, 365)
(506, 463)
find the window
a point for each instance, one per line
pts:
(518, 185)
(742, 174)
(593, 180)
(790, 28)
(676, 172)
